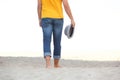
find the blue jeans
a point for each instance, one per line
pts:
(52, 26)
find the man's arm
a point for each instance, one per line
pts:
(39, 9)
(68, 11)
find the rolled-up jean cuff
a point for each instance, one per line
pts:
(47, 54)
(56, 57)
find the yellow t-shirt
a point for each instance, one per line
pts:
(52, 9)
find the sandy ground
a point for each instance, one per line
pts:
(33, 68)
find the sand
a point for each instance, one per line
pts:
(33, 68)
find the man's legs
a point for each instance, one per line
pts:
(57, 34)
(47, 33)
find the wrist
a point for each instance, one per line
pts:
(39, 19)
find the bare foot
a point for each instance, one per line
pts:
(57, 66)
(56, 63)
(48, 65)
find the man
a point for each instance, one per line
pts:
(50, 15)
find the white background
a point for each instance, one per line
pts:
(96, 37)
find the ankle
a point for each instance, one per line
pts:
(56, 63)
(48, 63)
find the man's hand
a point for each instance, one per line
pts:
(40, 23)
(73, 23)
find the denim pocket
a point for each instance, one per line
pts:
(45, 22)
